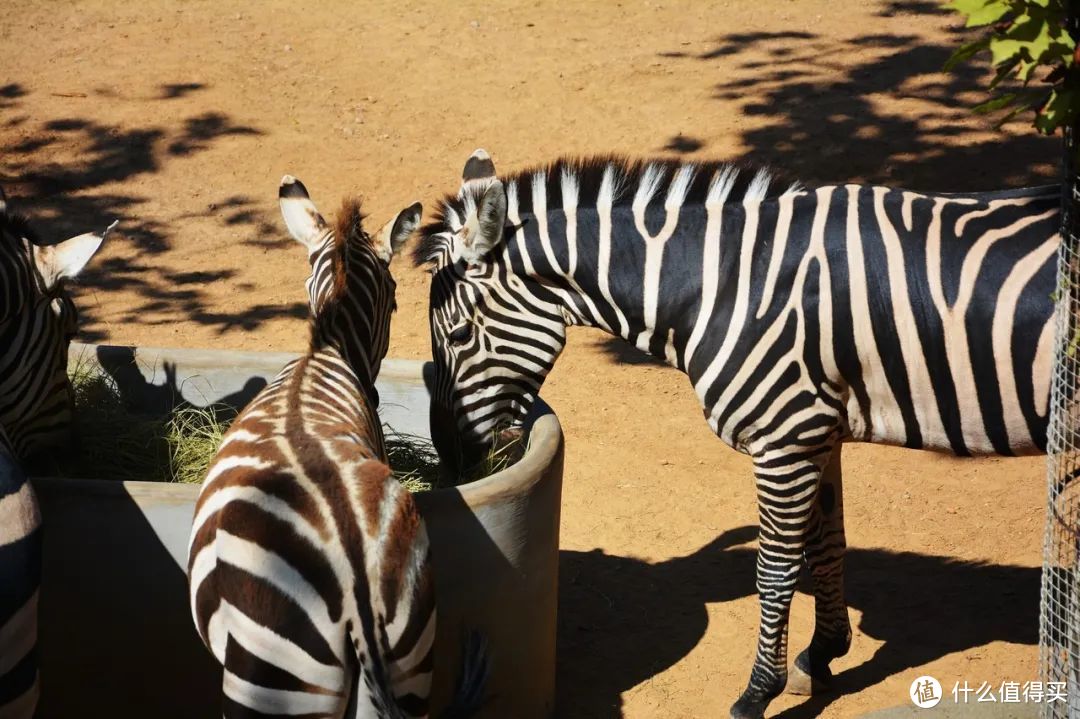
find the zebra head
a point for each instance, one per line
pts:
(350, 290)
(495, 331)
(37, 322)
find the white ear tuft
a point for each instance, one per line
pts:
(484, 230)
(67, 259)
(391, 238)
(478, 167)
(302, 218)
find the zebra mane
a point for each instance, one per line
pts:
(349, 225)
(348, 229)
(18, 226)
(697, 183)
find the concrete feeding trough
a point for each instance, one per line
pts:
(117, 637)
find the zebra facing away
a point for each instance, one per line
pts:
(309, 566)
(37, 322)
(803, 318)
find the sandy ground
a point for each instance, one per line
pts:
(180, 119)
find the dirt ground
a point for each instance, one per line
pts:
(179, 119)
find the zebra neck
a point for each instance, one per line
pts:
(632, 272)
(34, 411)
(353, 355)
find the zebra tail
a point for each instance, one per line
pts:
(469, 696)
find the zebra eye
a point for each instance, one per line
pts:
(462, 334)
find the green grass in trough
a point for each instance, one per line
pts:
(413, 459)
(116, 442)
(193, 435)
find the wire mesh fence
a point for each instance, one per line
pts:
(1059, 640)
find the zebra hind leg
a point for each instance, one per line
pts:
(787, 486)
(825, 549)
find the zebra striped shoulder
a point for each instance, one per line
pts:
(703, 181)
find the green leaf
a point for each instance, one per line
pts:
(966, 52)
(998, 103)
(988, 14)
(966, 6)
(1026, 35)
(1011, 114)
(1004, 50)
(1003, 71)
(1025, 100)
(1040, 44)
(1026, 67)
(1058, 110)
(1061, 45)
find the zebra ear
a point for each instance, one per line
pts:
(66, 259)
(391, 238)
(305, 223)
(484, 230)
(478, 167)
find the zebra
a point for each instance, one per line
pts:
(37, 322)
(309, 567)
(20, 577)
(38, 319)
(804, 318)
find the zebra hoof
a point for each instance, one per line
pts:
(804, 682)
(799, 683)
(749, 707)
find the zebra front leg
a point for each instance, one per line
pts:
(825, 549)
(787, 487)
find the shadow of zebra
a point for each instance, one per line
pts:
(623, 620)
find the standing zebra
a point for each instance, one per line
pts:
(309, 566)
(37, 322)
(804, 318)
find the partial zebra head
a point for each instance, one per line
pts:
(495, 332)
(37, 322)
(351, 291)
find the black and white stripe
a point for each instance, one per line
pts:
(20, 577)
(803, 318)
(37, 321)
(309, 566)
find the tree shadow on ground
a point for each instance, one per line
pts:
(623, 620)
(64, 197)
(874, 108)
(619, 351)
